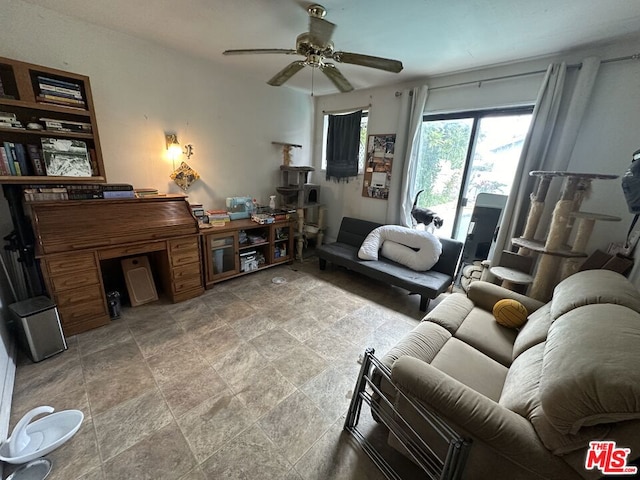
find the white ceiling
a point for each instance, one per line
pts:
(430, 37)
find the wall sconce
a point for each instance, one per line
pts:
(174, 148)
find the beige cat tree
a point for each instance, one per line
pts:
(556, 259)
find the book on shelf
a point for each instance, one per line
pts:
(36, 159)
(118, 194)
(4, 162)
(23, 161)
(60, 100)
(59, 83)
(146, 192)
(66, 157)
(60, 91)
(35, 193)
(11, 158)
(56, 124)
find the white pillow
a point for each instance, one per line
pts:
(418, 250)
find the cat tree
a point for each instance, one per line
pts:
(556, 259)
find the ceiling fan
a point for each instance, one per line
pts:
(316, 46)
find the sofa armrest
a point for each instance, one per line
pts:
(485, 295)
(502, 430)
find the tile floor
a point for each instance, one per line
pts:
(250, 380)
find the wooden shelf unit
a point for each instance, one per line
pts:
(222, 248)
(19, 80)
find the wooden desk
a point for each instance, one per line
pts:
(73, 237)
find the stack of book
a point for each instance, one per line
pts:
(218, 218)
(197, 210)
(17, 159)
(117, 190)
(9, 120)
(99, 190)
(65, 125)
(60, 92)
(43, 193)
(146, 192)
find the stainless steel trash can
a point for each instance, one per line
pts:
(38, 326)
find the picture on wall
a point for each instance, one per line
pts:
(377, 170)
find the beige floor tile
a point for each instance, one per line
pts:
(77, 457)
(331, 392)
(127, 382)
(262, 390)
(336, 457)
(300, 365)
(110, 335)
(129, 422)
(164, 455)
(186, 392)
(294, 425)
(237, 363)
(74, 399)
(213, 423)
(251, 455)
(274, 343)
(215, 343)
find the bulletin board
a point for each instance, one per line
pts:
(377, 169)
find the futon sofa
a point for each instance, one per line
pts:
(530, 399)
(429, 284)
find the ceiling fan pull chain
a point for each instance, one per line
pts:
(313, 70)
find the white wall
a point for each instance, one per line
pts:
(606, 141)
(142, 90)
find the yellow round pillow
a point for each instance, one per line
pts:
(510, 313)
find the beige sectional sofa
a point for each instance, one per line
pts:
(532, 399)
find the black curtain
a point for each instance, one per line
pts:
(343, 144)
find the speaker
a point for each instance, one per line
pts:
(311, 193)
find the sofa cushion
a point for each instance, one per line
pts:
(481, 331)
(471, 367)
(592, 287)
(590, 369)
(451, 312)
(521, 394)
(534, 331)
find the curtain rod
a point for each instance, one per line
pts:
(635, 56)
(346, 110)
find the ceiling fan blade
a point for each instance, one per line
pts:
(380, 63)
(286, 73)
(320, 31)
(330, 70)
(286, 51)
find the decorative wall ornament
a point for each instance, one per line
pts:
(184, 176)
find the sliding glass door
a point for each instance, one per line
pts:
(465, 154)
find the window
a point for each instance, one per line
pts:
(363, 141)
(464, 154)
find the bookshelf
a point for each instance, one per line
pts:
(30, 93)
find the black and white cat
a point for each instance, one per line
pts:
(425, 215)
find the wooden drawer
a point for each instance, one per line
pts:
(81, 304)
(183, 244)
(184, 251)
(187, 284)
(186, 277)
(77, 279)
(72, 263)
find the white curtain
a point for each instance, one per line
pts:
(406, 153)
(557, 116)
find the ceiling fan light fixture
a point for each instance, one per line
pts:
(316, 46)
